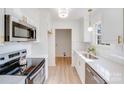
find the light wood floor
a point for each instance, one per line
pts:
(63, 73)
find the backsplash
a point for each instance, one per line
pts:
(81, 46)
(112, 52)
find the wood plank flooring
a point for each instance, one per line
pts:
(63, 73)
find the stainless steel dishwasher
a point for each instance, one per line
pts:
(92, 77)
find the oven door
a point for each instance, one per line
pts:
(38, 77)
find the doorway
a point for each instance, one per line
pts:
(63, 72)
(63, 46)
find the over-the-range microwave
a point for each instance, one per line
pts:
(18, 31)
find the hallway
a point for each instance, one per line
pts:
(63, 73)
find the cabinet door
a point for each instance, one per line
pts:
(82, 70)
(112, 21)
(77, 63)
(1, 25)
(73, 58)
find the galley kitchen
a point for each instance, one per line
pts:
(61, 46)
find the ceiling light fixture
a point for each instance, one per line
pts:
(90, 28)
(63, 12)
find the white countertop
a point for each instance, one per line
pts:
(9, 79)
(111, 72)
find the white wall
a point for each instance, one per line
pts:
(64, 24)
(70, 24)
(41, 48)
(51, 49)
(63, 42)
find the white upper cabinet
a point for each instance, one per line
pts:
(112, 25)
(1, 25)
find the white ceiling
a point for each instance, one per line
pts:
(74, 13)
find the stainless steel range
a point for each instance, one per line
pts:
(16, 63)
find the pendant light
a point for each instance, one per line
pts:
(63, 12)
(90, 28)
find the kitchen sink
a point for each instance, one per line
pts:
(89, 56)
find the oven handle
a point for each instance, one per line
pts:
(31, 77)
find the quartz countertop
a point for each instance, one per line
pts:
(10, 79)
(111, 72)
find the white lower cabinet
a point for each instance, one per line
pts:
(79, 65)
(82, 69)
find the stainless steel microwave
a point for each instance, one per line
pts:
(15, 30)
